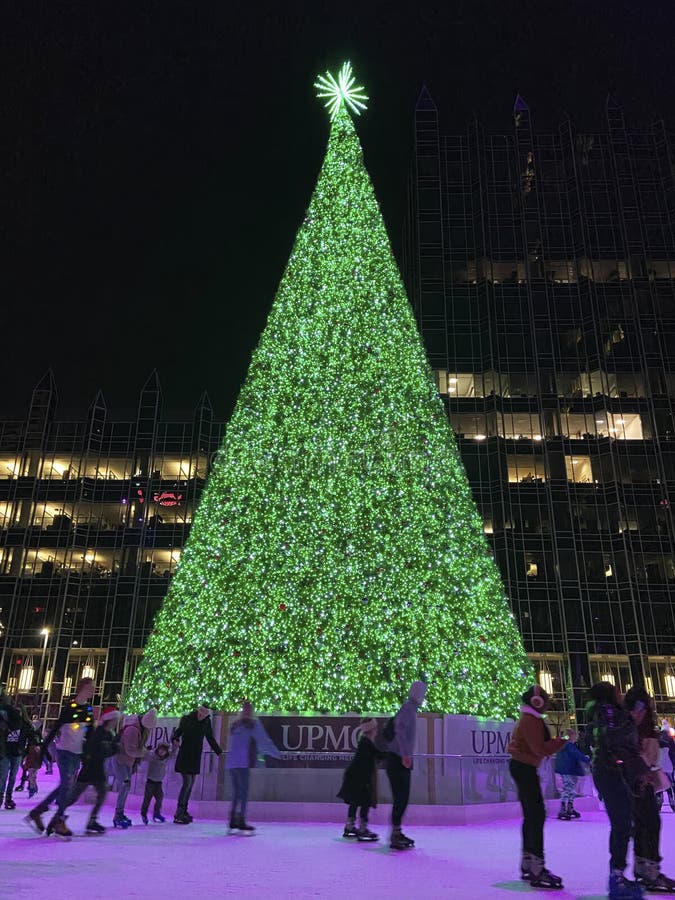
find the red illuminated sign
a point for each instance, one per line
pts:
(167, 498)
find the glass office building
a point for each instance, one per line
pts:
(93, 517)
(542, 272)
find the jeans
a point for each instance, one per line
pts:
(101, 788)
(68, 764)
(240, 779)
(399, 779)
(616, 796)
(153, 790)
(185, 791)
(123, 779)
(646, 826)
(9, 766)
(569, 788)
(534, 812)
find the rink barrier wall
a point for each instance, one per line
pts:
(459, 762)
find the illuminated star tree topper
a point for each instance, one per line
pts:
(342, 90)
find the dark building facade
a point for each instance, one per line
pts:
(542, 272)
(93, 517)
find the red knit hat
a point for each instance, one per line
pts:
(108, 713)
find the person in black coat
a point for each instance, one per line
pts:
(191, 732)
(101, 743)
(359, 784)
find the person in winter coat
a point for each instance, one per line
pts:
(72, 725)
(157, 761)
(192, 730)
(646, 814)
(102, 742)
(248, 740)
(133, 738)
(399, 750)
(619, 772)
(569, 764)
(18, 739)
(31, 766)
(359, 784)
(530, 743)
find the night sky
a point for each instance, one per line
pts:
(157, 158)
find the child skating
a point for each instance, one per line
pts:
(359, 784)
(157, 761)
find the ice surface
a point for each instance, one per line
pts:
(295, 861)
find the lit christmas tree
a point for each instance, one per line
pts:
(337, 553)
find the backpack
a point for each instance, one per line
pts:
(389, 730)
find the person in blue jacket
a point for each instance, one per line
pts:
(569, 764)
(248, 739)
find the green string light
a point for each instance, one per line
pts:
(337, 553)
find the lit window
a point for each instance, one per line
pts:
(669, 684)
(546, 680)
(26, 679)
(67, 686)
(532, 570)
(608, 676)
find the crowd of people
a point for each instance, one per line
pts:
(621, 749)
(625, 740)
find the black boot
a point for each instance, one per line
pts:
(563, 812)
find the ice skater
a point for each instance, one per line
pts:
(248, 741)
(359, 784)
(530, 743)
(131, 751)
(619, 772)
(569, 765)
(646, 814)
(192, 730)
(399, 735)
(102, 743)
(18, 740)
(157, 761)
(72, 725)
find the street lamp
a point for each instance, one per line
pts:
(42, 677)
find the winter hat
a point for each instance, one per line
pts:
(149, 718)
(108, 713)
(418, 691)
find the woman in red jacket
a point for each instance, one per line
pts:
(531, 741)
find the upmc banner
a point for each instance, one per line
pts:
(305, 743)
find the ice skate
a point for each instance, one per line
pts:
(526, 866)
(34, 821)
(158, 817)
(243, 825)
(563, 812)
(399, 841)
(181, 818)
(350, 830)
(649, 877)
(144, 820)
(365, 834)
(622, 888)
(121, 822)
(94, 827)
(58, 827)
(32, 792)
(540, 877)
(9, 803)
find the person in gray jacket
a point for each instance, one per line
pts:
(400, 749)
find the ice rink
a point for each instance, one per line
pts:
(295, 861)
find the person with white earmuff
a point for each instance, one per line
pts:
(530, 743)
